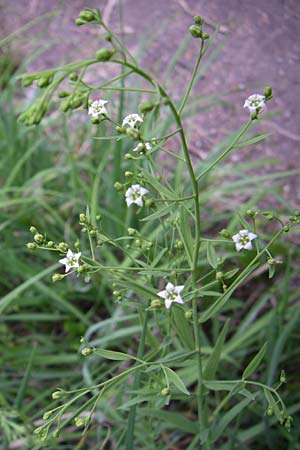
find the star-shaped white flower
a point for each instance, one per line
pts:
(71, 260)
(135, 194)
(97, 108)
(255, 103)
(132, 120)
(171, 294)
(140, 147)
(243, 240)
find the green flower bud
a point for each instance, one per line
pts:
(251, 213)
(271, 261)
(63, 246)
(219, 276)
(80, 421)
(286, 228)
(297, 213)
(120, 130)
(77, 245)
(50, 244)
(73, 76)
(149, 202)
(80, 22)
(269, 217)
(225, 233)
(93, 233)
(132, 133)
(44, 82)
(146, 107)
(33, 230)
(86, 351)
(118, 186)
(129, 156)
(131, 231)
(104, 54)
(82, 218)
(63, 94)
(76, 102)
(88, 16)
(107, 37)
(39, 238)
(138, 243)
(58, 394)
(198, 20)
(65, 105)
(205, 36)
(269, 411)
(268, 93)
(116, 293)
(282, 377)
(31, 245)
(224, 287)
(293, 219)
(98, 217)
(82, 340)
(188, 314)
(195, 31)
(95, 120)
(46, 415)
(27, 80)
(128, 174)
(165, 391)
(155, 303)
(57, 277)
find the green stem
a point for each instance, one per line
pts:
(227, 150)
(189, 88)
(137, 378)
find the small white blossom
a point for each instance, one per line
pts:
(171, 294)
(140, 147)
(255, 103)
(135, 194)
(243, 240)
(132, 120)
(97, 108)
(71, 260)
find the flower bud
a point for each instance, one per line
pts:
(65, 105)
(87, 16)
(149, 202)
(107, 37)
(63, 246)
(268, 93)
(73, 76)
(271, 261)
(120, 130)
(39, 238)
(219, 276)
(131, 231)
(146, 107)
(165, 391)
(80, 421)
(132, 133)
(82, 218)
(269, 411)
(86, 351)
(63, 94)
(33, 230)
(76, 102)
(138, 243)
(297, 213)
(104, 54)
(286, 228)
(225, 233)
(282, 377)
(129, 156)
(118, 186)
(128, 174)
(80, 22)
(195, 31)
(251, 213)
(198, 20)
(31, 246)
(50, 244)
(57, 277)
(27, 80)
(205, 36)
(188, 314)
(44, 82)
(58, 394)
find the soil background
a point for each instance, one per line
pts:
(261, 41)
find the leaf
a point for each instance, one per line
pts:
(272, 404)
(173, 420)
(115, 356)
(271, 270)
(253, 140)
(221, 385)
(175, 379)
(211, 255)
(228, 417)
(185, 233)
(183, 328)
(213, 361)
(254, 363)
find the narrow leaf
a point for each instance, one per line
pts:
(211, 255)
(175, 379)
(213, 361)
(115, 356)
(254, 363)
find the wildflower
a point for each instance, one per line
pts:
(243, 239)
(71, 260)
(255, 103)
(141, 147)
(97, 108)
(135, 194)
(171, 294)
(132, 120)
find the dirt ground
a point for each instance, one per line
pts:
(261, 47)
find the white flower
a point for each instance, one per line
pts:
(97, 108)
(171, 294)
(71, 260)
(132, 120)
(134, 194)
(140, 147)
(255, 103)
(243, 240)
